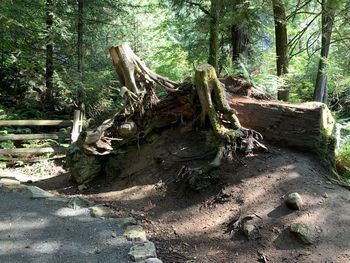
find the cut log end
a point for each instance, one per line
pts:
(307, 126)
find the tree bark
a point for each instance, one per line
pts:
(320, 93)
(281, 37)
(49, 54)
(133, 72)
(239, 42)
(80, 37)
(306, 126)
(214, 33)
(210, 90)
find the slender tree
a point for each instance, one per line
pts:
(49, 53)
(80, 37)
(239, 42)
(328, 11)
(238, 30)
(281, 37)
(214, 33)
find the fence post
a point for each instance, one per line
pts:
(77, 125)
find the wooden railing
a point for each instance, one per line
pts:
(76, 124)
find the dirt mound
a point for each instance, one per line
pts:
(201, 226)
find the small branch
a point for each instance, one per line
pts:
(297, 9)
(293, 42)
(205, 11)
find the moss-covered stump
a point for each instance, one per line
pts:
(222, 118)
(212, 98)
(82, 167)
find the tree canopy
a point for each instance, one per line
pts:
(55, 53)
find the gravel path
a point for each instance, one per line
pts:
(41, 230)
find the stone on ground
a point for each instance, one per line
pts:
(135, 233)
(14, 188)
(127, 130)
(124, 221)
(294, 201)
(248, 230)
(153, 260)
(37, 193)
(101, 211)
(79, 202)
(142, 251)
(9, 181)
(303, 233)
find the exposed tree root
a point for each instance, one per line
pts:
(222, 118)
(144, 112)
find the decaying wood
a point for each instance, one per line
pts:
(139, 84)
(132, 71)
(38, 136)
(222, 118)
(23, 151)
(144, 112)
(210, 90)
(305, 126)
(35, 123)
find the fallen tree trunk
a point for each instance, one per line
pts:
(305, 126)
(308, 126)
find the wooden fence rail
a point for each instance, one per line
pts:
(76, 124)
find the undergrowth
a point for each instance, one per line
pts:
(343, 162)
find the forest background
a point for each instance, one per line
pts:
(54, 53)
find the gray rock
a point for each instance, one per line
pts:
(135, 233)
(303, 233)
(124, 221)
(37, 193)
(248, 230)
(153, 260)
(142, 251)
(100, 211)
(58, 199)
(14, 188)
(82, 187)
(127, 130)
(9, 181)
(294, 201)
(79, 202)
(83, 168)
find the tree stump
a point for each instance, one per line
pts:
(222, 118)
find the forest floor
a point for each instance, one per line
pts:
(196, 226)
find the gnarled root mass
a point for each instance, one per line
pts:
(145, 112)
(225, 124)
(221, 116)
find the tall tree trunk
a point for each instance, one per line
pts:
(281, 37)
(214, 33)
(239, 42)
(49, 54)
(80, 37)
(320, 93)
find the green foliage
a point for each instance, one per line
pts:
(343, 162)
(40, 143)
(171, 37)
(6, 145)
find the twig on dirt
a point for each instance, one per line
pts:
(258, 216)
(262, 257)
(337, 182)
(192, 157)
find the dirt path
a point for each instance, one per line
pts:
(43, 230)
(192, 226)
